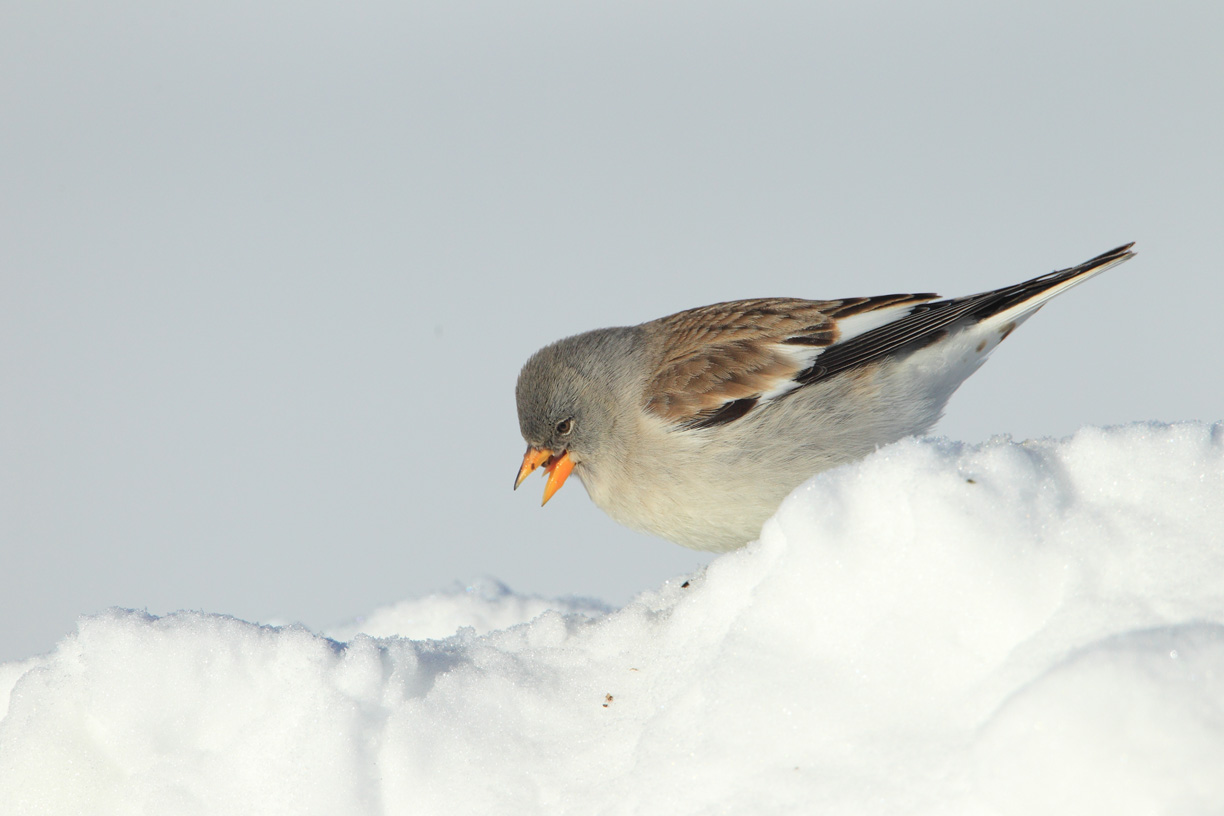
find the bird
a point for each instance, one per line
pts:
(694, 427)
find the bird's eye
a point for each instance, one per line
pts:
(565, 426)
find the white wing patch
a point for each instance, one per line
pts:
(850, 327)
(847, 329)
(803, 356)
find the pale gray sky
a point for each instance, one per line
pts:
(268, 271)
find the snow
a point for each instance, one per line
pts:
(484, 605)
(1008, 628)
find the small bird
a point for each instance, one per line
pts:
(694, 427)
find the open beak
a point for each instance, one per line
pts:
(557, 467)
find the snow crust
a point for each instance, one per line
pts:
(1008, 628)
(483, 606)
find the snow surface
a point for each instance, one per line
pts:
(484, 605)
(1009, 628)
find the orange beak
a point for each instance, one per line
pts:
(558, 468)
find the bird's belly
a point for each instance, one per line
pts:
(714, 491)
(705, 508)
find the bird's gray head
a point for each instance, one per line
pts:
(568, 404)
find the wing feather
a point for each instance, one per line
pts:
(719, 363)
(744, 352)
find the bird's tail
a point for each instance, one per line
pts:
(1014, 304)
(988, 317)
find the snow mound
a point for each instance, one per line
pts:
(484, 605)
(941, 628)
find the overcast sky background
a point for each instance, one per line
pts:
(268, 271)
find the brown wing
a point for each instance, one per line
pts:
(720, 360)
